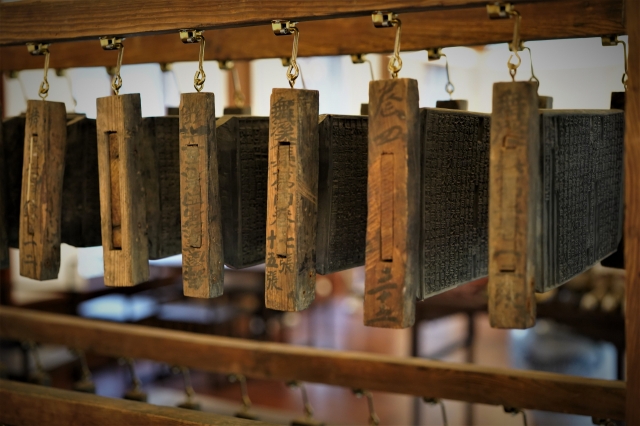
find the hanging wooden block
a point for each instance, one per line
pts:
(202, 250)
(41, 198)
(342, 193)
(11, 174)
(459, 104)
(545, 102)
(4, 225)
(160, 173)
(122, 197)
(514, 208)
(292, 199)
(243, 151)
(393, 224)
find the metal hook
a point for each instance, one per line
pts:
(246, 401)
(515, 44)
(114, 43)
(308, 419)
(360, 58)
(196, 36)
(390, 19)
(85, 384)
(374, 420)
(515, 411)
(189, 403)
(39, 376)
(435, 54)
(136, 393)
(41, 49)
(443, 409)
(612, 40)
(287, 28)
(533, 75)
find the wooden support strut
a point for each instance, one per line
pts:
(393, 223)
(122, 198)
(292, 199)
(202, 252)
(514, 205)
(41, 198)
(4, 221)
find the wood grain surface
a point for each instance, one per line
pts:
(41, 198)
(514, 205)
(202, 251)
(393, 187)
(122, 197)
(292, 200)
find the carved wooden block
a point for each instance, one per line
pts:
(41, 198)
(514, 207)
(243, 151)
(342, 193)
(161, 177)
(393, 223)
(11, 175)
(545, 102)
(202, 251)
(292, 199)
(459, 104)
(122, 197)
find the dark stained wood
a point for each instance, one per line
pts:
(342, 192)
(353, 370)
(243, 151)
(632, 215)
(27, 404)
(128, 264)
(202, 253)
(292, 200)
(459, 104)
(11, 176)
(545, 102)
(514, 205)
(564, 19)
(393, 187)
(41, 199)
(4, 223)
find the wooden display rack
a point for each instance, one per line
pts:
(240, 32)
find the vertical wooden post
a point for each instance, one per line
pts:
(393, 221)
(292, 203)
(45, 140)
(122, 199)
(514, 205)
(632, 214)
(202, 254)
(4, 223)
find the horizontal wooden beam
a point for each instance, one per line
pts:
(274, 361)
(420, 30)
(26, 404)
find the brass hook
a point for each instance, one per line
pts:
(390, 19)
(246, 401)
(443, 409)
(189, 403)
(41, 49)
(533, 75)
(136, 393)
(115, 43)
(196, 36)
(515, 44)
(612, 40)
(287, 28)
(85, 384)
(435, 54)
(515, 411)
(360, 58)
(308, 419)
(374, 420)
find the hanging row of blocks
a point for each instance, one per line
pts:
(427, 199)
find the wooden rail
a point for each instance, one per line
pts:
(413, 376)
(26, 404)
(420, 30)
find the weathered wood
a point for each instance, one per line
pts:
(160, 174)
(243, 151)
(565, 19)
(4, 223)
(41, 198)
(13, 140)
(237, 110)
(292, 199)
(545, 102)
(632, 215)
(352, 370)
(393, 187)
(514, 207)
(459, 104)
(122, 196)
(342, 193)
(26, 404)
(202, 250)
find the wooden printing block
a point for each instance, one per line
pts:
(545, 102)
(11, 174)
(4, 237)
(122, 197)
(393, 223)
(342, 193)
(243, 151)
(514, 209)
(292, 199)
(161, 177)
(236, 110)
(202, 243)
(459, 104)
(41, 197)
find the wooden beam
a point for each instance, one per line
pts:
(27, 404)
(420, 30)
(276, 361)
(632, 215)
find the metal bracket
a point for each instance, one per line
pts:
(358, 58)
(191, 36)
(499, 10)
(383, 19)
(434, 53)
(610, 40)
(520, 46)
(38, 48)
(111, 43)
(282, 27)
(226, 65)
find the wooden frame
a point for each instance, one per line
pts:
(78, 20)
